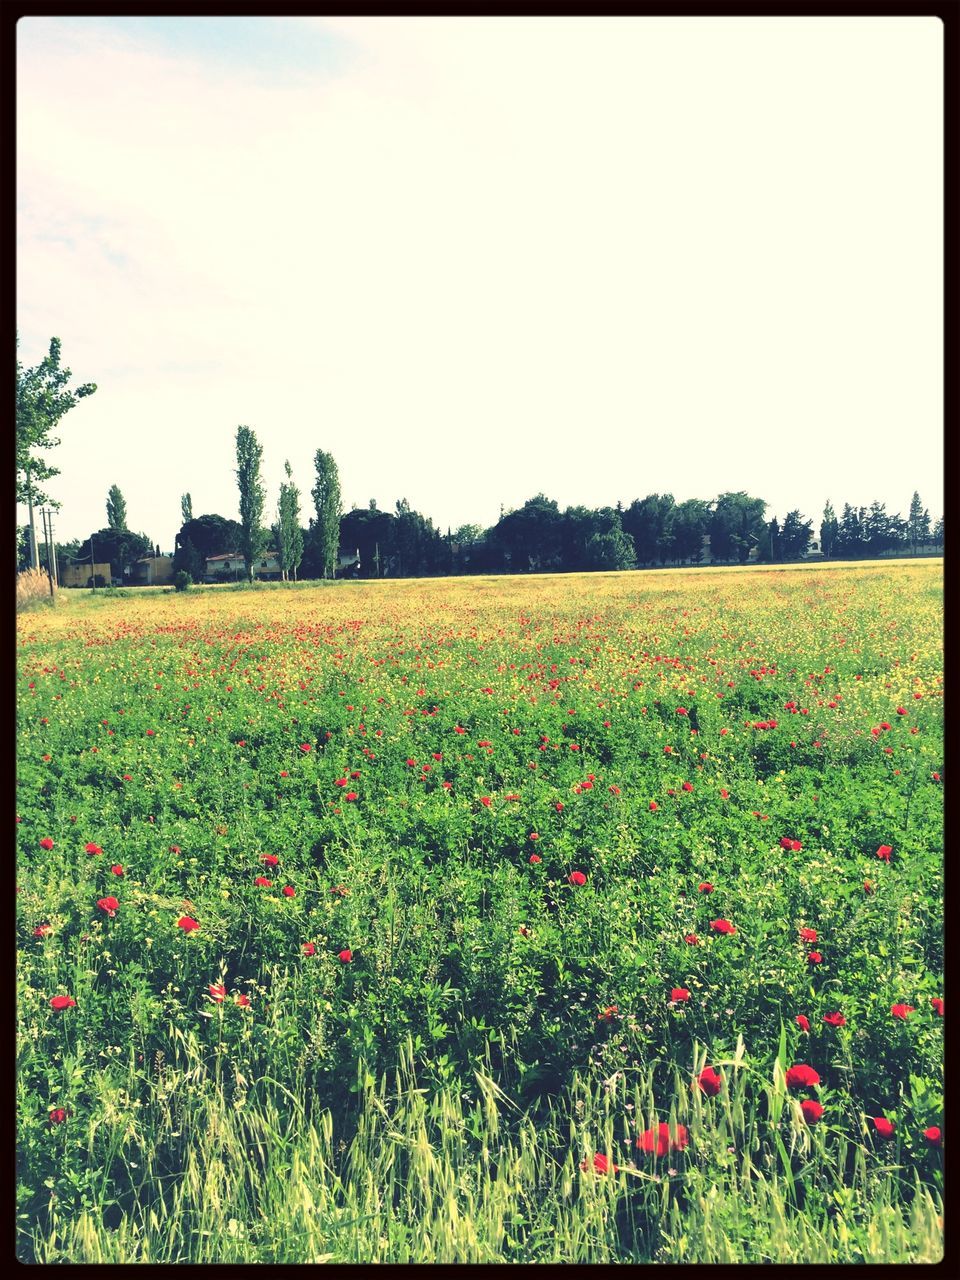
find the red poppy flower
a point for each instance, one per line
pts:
(802, 1021)
(608, 1014)
(884, 852)
(309, 948)
(705, 887)
(600, 1164)
(835, 1019)
(709, 1082)
(187, 924)
(269, 859)
(264, 882)
(577, 877)
(110, 905)
(688, 786)
(62, 1002)
(289, 891)
(351, 795)
(58, 1115)
(867, 887)
(902, 1010)
(486, 801)
(217, 991)
(786, 842)
(808, 935)
(345, 956)
(117, 870)
(691, 939)
(92, 848)
(659, 1141)
(535, 857)
(815, 957)
(724, 794)
(800, 1076)
(883, 1126)
(653, 806)
(46, 843)
(680, 994)
(722, 926)
(681, 711)
(812, 1110)
(243, 1001)
(937, 1004)
(932, 1135)
(42, 930)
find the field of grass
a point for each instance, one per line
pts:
(484, 920)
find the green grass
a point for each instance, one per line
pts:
(432, 1098)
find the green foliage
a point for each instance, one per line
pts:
(736, 526)
(43, 399)
(182, 580)
(325, 526)
(253, 536)
(186, 508)
(496, 1025)
(288, 532)
(116, 510)
(120, 547)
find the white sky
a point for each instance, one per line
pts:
(478, 258)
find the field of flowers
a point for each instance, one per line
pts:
(571, 918)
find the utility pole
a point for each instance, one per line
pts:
(34, 551)
(46, 535)
(93, 567)
(53, 548)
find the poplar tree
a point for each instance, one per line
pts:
(253, 536)
(116, 509)
(327, 503)
(289, 533)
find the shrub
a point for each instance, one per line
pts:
(33, 588)
(97, 580)
(181, 580)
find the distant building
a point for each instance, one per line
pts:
(814, 550)
(232, 567)
(152, 571)
(79, 575)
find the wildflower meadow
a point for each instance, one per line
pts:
(571, 918)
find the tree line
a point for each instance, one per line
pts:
(535, 538)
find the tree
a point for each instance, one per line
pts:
(828, 529)
(288, 534)
(735, 526)
(645, 522)
(43, 398)
(918, 524)
(120, 547)
(937, 536)
(770, 541)
(686, 526)
(851, 540)
(530, 537)
(882, 532)
(253, 536)
(116, 509)
(186, 507)
(325, 527)
(201, 538)
(795, 536)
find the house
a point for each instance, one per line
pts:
(152, 571)
(80, 574)
(814, 550)
(232, 567)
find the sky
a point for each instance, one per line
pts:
(477, 259)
